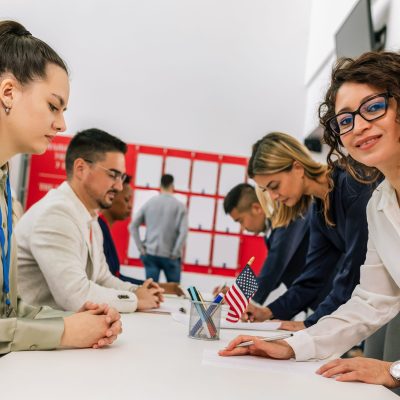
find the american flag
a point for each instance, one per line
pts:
(240, 293)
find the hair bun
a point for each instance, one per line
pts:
(13, 28)
(23, 33)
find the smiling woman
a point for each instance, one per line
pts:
(359, 88)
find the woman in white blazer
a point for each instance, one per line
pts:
(361, 116)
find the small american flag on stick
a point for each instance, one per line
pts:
(240, 293)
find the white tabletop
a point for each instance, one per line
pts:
(155, 359)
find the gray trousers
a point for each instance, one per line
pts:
(384, 344)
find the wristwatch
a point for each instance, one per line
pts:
(395, 370)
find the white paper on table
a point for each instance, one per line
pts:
(170, 306)
(211, 357)
(254, 326)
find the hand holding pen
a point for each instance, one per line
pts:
(256, 313)
(278, 349)
(220, 289)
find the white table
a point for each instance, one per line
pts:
(155, 359)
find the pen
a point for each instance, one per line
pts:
(211, 327)
(266, 339)
(200, 310)
(209, 312)
(223, 287)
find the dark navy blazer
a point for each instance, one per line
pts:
(111, 254)
(286, 259)
(335, 253)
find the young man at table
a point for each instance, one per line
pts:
(120, 210)
(60, 245)
(287, 247)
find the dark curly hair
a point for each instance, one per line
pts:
(381, 70)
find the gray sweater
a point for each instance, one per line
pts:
(166, 226)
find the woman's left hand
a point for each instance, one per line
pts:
(359, 369)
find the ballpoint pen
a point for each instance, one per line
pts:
(266, 339)
(212, 329)
(201, 311)
(209, 312)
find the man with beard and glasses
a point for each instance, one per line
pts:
(61, 262)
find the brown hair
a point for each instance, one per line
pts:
(381, 70)
(24, 55)
(276, 153)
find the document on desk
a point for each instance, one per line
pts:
(170, 306)
(253, 326)
(211, 357)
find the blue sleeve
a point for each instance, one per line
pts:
(321, 261)
(283, 244)
(109, 248)
(348, 275)
(111, 255)
(131, 280)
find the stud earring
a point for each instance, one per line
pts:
(7, 110)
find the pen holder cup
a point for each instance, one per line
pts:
(205, 319)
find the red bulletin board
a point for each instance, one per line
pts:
(48, 171)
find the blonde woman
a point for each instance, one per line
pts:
(284, 170)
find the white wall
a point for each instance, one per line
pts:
(326, 18)
(197, 74)
(393, 31)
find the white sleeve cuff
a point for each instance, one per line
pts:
(303, 345)
(125, 302)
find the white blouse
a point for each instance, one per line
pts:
(376, 300)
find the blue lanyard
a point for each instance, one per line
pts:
(6, 257)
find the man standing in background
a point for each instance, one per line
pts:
(166, 230)
(120, 210)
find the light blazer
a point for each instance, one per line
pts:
(62, 264)
(27, 327)
(376, 300)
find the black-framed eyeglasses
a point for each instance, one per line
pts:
(114, 174)
(373, 108)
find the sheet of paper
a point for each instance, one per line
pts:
(256, 326)
(211, 357)
(171, 306)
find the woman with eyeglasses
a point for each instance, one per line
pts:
(361, 116)
(34, 91)
(288, 180)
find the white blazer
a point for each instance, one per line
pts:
(376, 300)
(61, 261)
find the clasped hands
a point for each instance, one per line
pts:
(149, 295)
(93, 325)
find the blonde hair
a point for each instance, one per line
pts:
(276, 153)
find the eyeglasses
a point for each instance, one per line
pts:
(112, 173)
(373, 108)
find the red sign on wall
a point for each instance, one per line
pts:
(46, 171)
